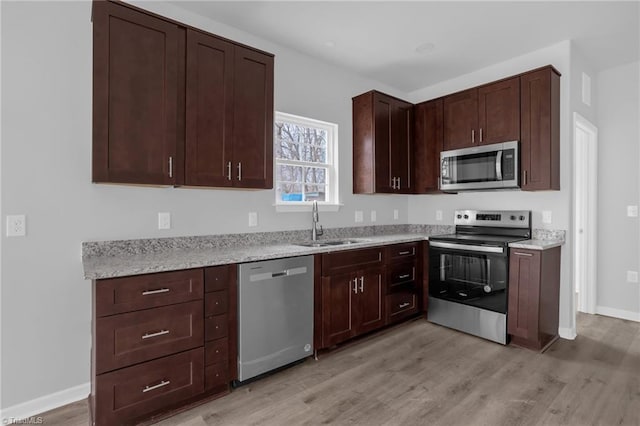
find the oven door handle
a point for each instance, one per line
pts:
(499, 166)
(469, 247)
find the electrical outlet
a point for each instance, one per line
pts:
(395, 214)
(16, 225)
(374, 216)
(164, 220)
(253, 219)
(439, 215)
(632, 211)
(632, 276)
(546, 216)
(359, 217)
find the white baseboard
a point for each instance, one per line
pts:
(618, 313)
(567, 333)
(45, 403)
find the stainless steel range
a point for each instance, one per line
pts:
(468, 271)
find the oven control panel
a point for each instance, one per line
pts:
(497, 218)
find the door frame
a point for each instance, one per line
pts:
(587, 289)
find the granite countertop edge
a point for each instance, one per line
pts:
(537, 244)
(100, 267)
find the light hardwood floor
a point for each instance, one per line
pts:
(423, 374)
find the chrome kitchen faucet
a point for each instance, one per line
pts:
(315, 217)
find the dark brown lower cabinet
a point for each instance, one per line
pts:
(534, 294)
(162, 342)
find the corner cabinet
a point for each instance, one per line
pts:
(174, 105)
(382, 144)
(534, 294)
(540, 120)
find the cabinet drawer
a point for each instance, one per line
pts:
(130, 393)
(216, 375)
(217, 277)
(216, 351)
(127, 294)
(401, 273)
(216, 303)
(345, 261)
(134, 337)
(402, 251)
(216, 327)
(401, 305)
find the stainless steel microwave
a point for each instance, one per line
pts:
(495, 166)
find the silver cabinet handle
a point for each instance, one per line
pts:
(355, 285)
(229, 170)
(473, 136)
(239, 171)
(404, 305)
(156, 334)
(519, 253)
(170, 167)
(361, 284)
(157, 291)
(393, 183)
(159, 385)
(480, 134)
(399, 184)
(402, 277)
(402, 253)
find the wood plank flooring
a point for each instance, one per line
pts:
(419, 373)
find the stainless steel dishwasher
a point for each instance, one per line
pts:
(275, 310)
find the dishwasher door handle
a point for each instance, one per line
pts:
(262, 276)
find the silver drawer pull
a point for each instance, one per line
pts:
(402, 253)
(158, 291)
(404, 305)
(402, 277)
(156, 334)
(159, 385)
(522, 254)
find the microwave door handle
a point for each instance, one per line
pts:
(499, 166)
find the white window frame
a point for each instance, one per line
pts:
(332, 202)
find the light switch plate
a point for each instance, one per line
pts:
(164, 220)
(16, 225)
(395, 214)
(546, 216)
(374, 216)
(359, 217)
(439, 215)
(632, 211)
(253, 219)
(632, 276)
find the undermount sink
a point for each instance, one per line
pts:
(328, 243)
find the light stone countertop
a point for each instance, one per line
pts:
(537, 244)
(97, 267)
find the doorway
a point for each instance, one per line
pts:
(585, 136)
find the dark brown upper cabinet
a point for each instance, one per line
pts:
(483, 115)
(382, 144)
(428, 143)
(540, 117)
(136, 76)
(177, 106)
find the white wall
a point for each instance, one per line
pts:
(46, 157)
(422, 209)
(618, 114)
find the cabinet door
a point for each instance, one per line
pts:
(524, 293)
(383, 112)
(461, 119)
(400, 145)
(370, 300)
(209, 110)
(499, 112)
(540, 118)
(253, 119)
(135, 96)
(428, 134)
(338, 295)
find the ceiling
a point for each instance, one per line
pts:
(415, 44)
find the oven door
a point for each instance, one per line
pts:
(474, 275)
(483, 167)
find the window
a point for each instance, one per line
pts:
(305, 161)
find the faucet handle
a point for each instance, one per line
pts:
(320, 231)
